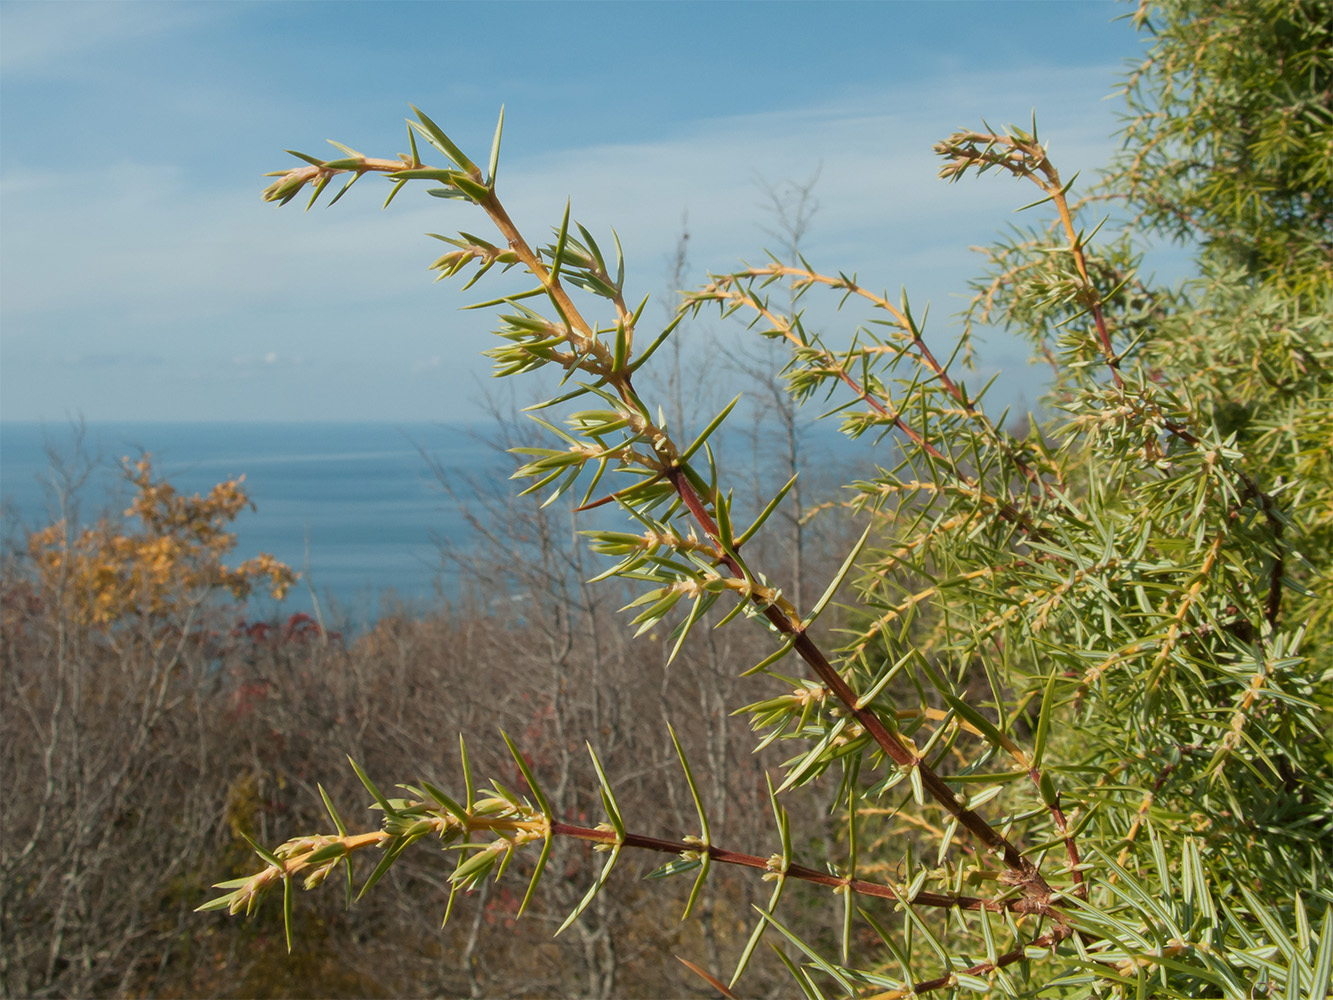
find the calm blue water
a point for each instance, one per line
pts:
(354, 507)
(358, 498)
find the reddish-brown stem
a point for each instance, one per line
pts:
(811, 875)
(1007, 510)
(804, 276)
(1071, 846)
(1094, 299)
(1048, 940)
(1031, 880)
(1026, 158)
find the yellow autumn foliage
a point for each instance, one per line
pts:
(172, 560)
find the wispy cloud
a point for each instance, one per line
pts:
(882, 209)
(192, 268)
(52, 40)
(156, 246)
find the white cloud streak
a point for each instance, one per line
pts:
(52, 40)
(158, 261)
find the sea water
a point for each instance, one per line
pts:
(357, 508)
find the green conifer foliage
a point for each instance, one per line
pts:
(1230, 139)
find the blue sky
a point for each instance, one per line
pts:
(142, 278)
